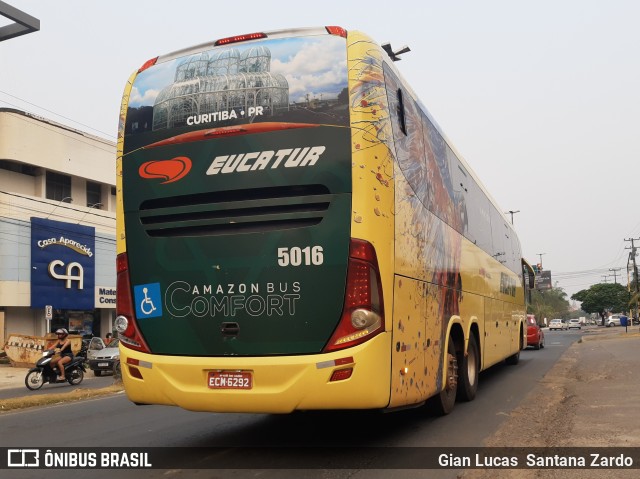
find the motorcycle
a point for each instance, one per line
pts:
(43, 373)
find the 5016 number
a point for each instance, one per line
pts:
(296, 256)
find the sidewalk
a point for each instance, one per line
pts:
(12, 377)
(588, 399)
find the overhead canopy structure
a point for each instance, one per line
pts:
(23, 22)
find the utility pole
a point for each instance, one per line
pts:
(632, 257)
(605, 276)
(615, 274)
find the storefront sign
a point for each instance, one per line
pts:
(105, 297)
(62, 265)
(543, 280)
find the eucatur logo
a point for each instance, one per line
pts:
(168, 170)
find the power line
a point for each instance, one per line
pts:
(615, 274)
(13, 236)
(574, 274)
(36, 200)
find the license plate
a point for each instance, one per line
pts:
(103, 365)
(230, 380)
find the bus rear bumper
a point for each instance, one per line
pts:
(279, 384)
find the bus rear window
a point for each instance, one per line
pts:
(299, 80)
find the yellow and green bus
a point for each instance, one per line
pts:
(294, 232)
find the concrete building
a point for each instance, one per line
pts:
(57, 227)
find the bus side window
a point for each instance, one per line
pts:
(529, 280)
(401, 118)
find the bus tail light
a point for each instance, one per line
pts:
(341, 375)
(135, 372)
(148, 64)
(240, 38)
(363, 312)
(125, 323)
(134, 366)
(333, 30)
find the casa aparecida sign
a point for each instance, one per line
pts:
(62, 265)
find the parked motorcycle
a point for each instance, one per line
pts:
(43, 373)
(84, 349)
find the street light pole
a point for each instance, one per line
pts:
(511, 212)
(540, 254)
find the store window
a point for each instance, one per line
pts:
(76, 322)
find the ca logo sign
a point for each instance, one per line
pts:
(73, 272)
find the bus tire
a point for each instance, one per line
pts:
(468, 372)
(444, 401)
(515, 358)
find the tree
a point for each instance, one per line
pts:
(549, 304)
(602, 298)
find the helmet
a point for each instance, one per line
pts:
(62, 331)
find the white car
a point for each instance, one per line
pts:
(613, 320)
(557, 324)
(103, 358)
(575, 323)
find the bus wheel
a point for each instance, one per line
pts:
(468, 377)
(515, 358)
(444, 402)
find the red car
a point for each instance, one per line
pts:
(535, 334)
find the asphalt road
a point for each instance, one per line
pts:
(115, 422)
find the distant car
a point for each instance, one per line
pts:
(557, 324)
(535, 334)
(102, 358)
(575, 323)
(613, 320)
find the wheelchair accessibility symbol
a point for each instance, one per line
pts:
(148, 300)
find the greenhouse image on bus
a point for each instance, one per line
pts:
(234, 84)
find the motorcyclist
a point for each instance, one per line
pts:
(63, 346)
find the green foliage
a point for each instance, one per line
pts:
(549, 304)
(603, 297)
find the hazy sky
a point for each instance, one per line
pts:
(541, 98)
